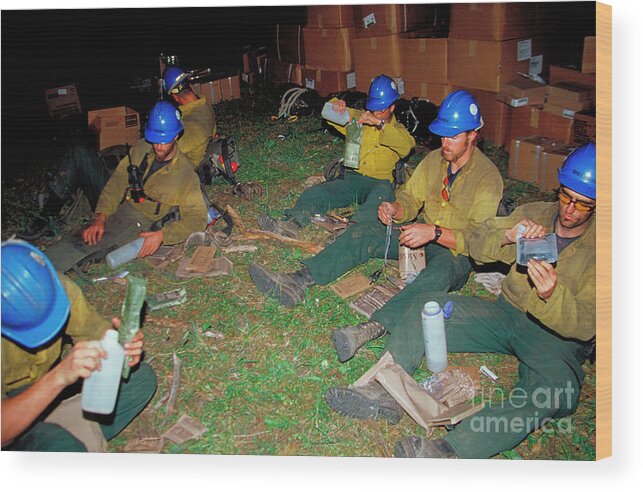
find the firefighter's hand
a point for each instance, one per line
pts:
(133, 348)
(368, 118)
(83, 359)
(544, 277)
(387, 211)
(94, 232)
(339, 106)
(153, 241)
(416, 235)
(532, 230)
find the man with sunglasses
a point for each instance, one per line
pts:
(453, 189)
(384, 142)
(545, 316)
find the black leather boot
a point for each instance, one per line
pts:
(288, 288)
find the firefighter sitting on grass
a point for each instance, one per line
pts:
(545, 317)
(154, 193)
(40, 391)
(384, 142)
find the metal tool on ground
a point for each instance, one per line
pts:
(131, 313)
(387, 243)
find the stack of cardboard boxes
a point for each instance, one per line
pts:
(288, 54)
(328, 35)
(400, 41)
(489, 45)
(543, 134)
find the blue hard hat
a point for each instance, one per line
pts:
(163, 124)
(174, 79)
(382, 93)
(35, 305)
(459, 112)
(578, 172)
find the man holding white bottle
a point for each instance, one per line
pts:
(40, 401)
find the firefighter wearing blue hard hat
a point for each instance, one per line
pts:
(39, 305)
(545, 317)
(197, 115)
(384, 141)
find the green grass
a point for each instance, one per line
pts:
(259, 390)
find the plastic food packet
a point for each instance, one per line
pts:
(353, 145)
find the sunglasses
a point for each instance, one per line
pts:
(580, 206)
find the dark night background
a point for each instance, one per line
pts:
(103, 51)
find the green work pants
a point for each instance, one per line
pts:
(363, 241)
(120, 228)
(133, 396)
(354, 188)
(550, 370)
(83, 168)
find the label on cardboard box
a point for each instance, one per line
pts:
(568, 113)
(400, 85)
(62, 92)
(535, 65)
(523, 50)
(351, 80)
(369, 20)
(516, 103)
(310, 84)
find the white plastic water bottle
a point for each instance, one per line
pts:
(101, 388)
(435, 340)
(331, 115)
(125, 253)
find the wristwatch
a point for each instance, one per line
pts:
(381, 125)
(438, 234)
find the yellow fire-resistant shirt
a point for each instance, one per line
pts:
(571, 309)
(199, 127)
(474, 197)
(21, 366)
(174, 185)
(380, 149)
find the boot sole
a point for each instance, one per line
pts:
(266, 284)
(268, 224)
(345, 349)
(353, 404)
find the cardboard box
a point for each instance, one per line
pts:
(387, 19)
(564, 74)
(62, 101)
(115, 126)
(284, 72)
(532, 120)
(330, 16)
(488, 65)
(289, 43)
(522, 92)
(561, 111)
(550, 161)
(424, 60)
(589, 55)
(584, 127)
(327, 82)
(375, 56)
(525, 157)
(329, 49)
(433, 92)
(495, 21)
(219, 90)
(571, 95)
